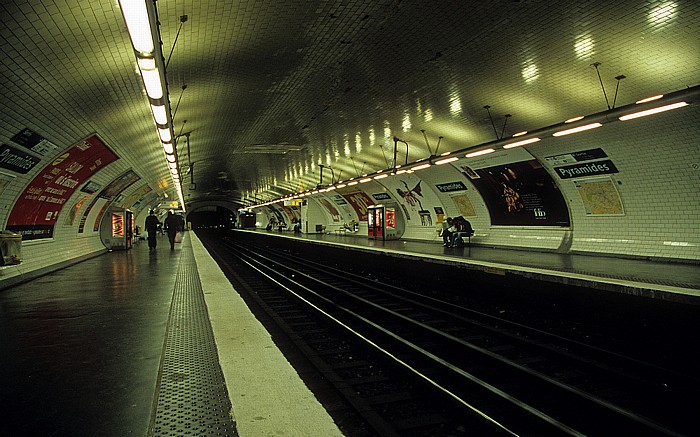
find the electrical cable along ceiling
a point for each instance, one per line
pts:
(265, 95)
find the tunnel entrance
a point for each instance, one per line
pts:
(211, 217)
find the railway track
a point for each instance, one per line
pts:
(411, 364)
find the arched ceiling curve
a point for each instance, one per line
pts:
(269, 90)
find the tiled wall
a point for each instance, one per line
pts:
(67, 244)
(658, 159)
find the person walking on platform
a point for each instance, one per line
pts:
(152, 223)
(172, 224)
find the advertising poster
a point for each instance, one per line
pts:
(108, 193)
(35, 212)
(416, 198)
(332, 210)
(75, 210)
(360, 203)
(136, 195)
(517, 189)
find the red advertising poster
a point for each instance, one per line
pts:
(359, 201)
(35, 212)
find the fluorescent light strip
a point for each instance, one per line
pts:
(138, 24)
(168, 147)
(479, 153)
(519, 134)
(521, 143)
(571, 120)
(362, 181)
(151, 80)
(576, 129)
(381, 176)
(401, 171)
(653, 111)
(159, 114)
(350, 184)
(164, 134)
(340, 186)
(649, 99)
(170, 158)
(420, 167)
(446, 160)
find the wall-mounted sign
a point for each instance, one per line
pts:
(338, 199)
(600, 197)
(35, 211)
(91, 187)
(381, 196)
(16, 160)
(588, 169)
(451, 186)
(580, 156)
(34, 142)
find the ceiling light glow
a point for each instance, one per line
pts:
(576, 129)
(164, 134)
(649, 99)
(151, 80)
(653, 111)
(480, 152)
(159, 114)
(446, 160)
(138, 25)
(521, 143)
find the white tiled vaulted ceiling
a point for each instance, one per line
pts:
(274, 88)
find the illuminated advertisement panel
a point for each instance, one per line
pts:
(516, 188)
(35, 212)
(117, 225)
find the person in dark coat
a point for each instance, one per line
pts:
(172, 224)
(152, 223)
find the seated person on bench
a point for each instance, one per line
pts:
(463, 229)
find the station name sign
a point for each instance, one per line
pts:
(451, 186)
(588, 169)
(16, 160)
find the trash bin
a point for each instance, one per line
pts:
(10, 248)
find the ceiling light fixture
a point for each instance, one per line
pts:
(446, 160)
(138, 25)
(576, 129)
(573, 119)
(421, 167)
(521, 143)
(159, 114)
(653, 111)
(142, 25)
(479, 153)
(649, 99)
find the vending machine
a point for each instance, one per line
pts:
(117, 229)
(382, 222)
